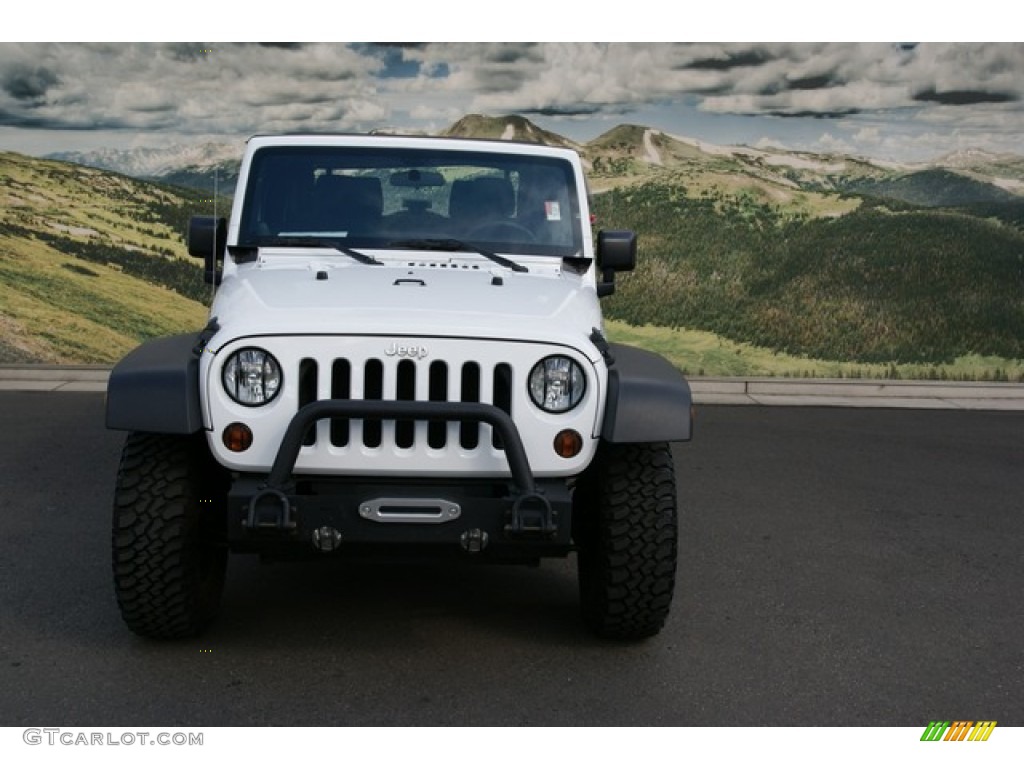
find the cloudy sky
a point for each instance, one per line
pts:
(899, 101)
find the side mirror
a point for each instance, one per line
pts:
(206, 239)
(616, 252)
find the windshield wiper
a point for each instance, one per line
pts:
(316, 242)
(451, 244)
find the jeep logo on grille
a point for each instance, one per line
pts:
(406, 350)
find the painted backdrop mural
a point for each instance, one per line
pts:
(804, 209)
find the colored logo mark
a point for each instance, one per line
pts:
(958, 730)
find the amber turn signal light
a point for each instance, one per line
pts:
(568, 443)
(237, 437)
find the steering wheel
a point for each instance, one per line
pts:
(497, 226)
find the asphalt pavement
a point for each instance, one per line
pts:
(838, 566)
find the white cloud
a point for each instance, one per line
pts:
(829, 143)
(960, 91)
(868, 136)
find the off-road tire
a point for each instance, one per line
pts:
(625, 528)
(169, 551)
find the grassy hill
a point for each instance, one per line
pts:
(91, 262)
(631, 155)
(705, 353)
(508, 128)
(876, 285)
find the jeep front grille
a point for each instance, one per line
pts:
(409, 380)
(441, 370)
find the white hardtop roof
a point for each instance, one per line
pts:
(409, 142)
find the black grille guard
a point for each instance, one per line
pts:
(305, 417)
(530, 513)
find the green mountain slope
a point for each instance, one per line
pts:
(932, 187)
(875, 285)
(91, 262)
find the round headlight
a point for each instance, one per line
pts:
(557, 384)
(251, 376)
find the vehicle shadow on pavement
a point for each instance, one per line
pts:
(396, 604)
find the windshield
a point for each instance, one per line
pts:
(382, 198)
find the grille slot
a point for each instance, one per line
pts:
(373, 389)
(405, 390)
(437, 431)
(341, 389)
(307, 393)
(469, 432)
(502, 396)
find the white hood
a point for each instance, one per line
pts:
(421, 295)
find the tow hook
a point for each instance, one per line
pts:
(269, 509)
(531, 515)
(326, 539)
(474, 540)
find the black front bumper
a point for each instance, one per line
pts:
(517, 517)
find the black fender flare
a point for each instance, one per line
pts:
(649, 399)
(155, 387)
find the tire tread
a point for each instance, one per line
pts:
(628, 540)
(168, 575)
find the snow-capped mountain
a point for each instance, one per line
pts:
(155, 163)
(972, 158)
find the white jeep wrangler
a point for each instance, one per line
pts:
(405, 355)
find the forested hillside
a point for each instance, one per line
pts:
(882, 283)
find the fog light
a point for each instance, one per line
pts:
(568, 443)
(237, 437)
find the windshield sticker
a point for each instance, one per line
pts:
(551, 210)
